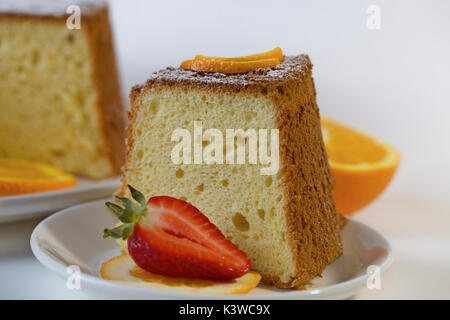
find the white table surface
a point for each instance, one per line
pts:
(391, 82)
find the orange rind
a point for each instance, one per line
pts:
(276, 53)
(242, 64)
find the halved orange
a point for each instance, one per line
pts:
(23, 176)
(122, 269)
(362, 166)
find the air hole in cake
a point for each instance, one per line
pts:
(261, 213)
(250, 116)
(58, 153)
(234, 170)
(140, 154)
(154, 106)
(255, 237)
(272, 212)
(205, 143)
(183, 198)
(268, 181)
(70, 38)
(35, 58)
(240, 222)
(200, 188)
(179, 173)
(225, 182)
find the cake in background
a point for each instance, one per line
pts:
(286, 222)
(59, 92)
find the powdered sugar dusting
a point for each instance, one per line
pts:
(292, 66)
(47, 7)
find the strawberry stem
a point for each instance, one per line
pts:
(129, 214)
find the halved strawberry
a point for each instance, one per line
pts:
(171, 237)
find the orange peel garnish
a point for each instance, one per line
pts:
(276, 53)
(242, 64)
(23, 176)
(228, 66)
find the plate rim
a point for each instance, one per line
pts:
(73, 190)
(311, 293)
(36, 205)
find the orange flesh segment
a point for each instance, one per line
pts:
(348, 146)
(22, 176)
(362, 166)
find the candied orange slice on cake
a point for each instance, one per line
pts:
(228, 66)
(23, 176)
(276, 53)
(362, 166)
(242, 64)
(122, 269)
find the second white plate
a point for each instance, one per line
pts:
(34, 205)
(74, 237)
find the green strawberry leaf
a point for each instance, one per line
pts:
(138, 196)
(120, 232)
(128, 204)
(115, 209)
(130, 213)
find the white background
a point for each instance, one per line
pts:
(392, 83)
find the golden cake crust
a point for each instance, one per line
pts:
(95, 24)
(315, 242)
(110, 103)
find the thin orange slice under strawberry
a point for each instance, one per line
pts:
(170, 237)
(122, 269)
(23, 176)
(242, 64)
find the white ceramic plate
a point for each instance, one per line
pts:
(74, 237)
(34, 205)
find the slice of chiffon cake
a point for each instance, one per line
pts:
(285, 221)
